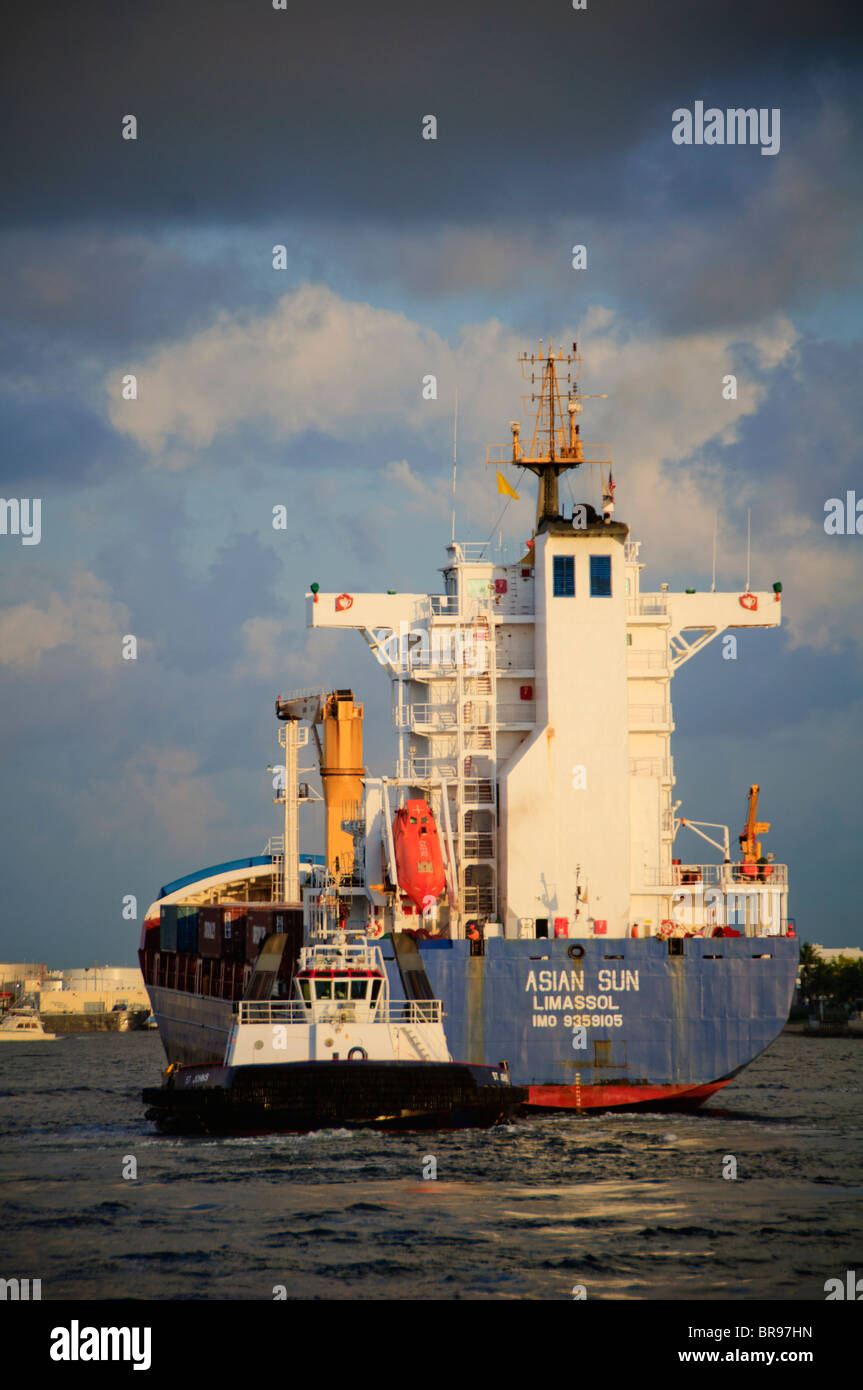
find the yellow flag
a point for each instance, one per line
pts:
(504, 488)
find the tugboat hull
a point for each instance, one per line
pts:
(303, 1096)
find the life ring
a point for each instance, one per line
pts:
(749, 602)
(575, 952)
(343, 602)
(358, 1054)
(375, 929)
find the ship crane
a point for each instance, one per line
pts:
(699, 827)
(750, 846)
(340, 758)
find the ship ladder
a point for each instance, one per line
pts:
(418, 1044)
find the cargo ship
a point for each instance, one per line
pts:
(517, 862)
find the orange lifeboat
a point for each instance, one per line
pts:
(419, 861)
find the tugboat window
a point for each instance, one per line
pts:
(376, 989)
(340, 989)
(600, 576)
(324, 989)
(305, 991)
(358, 989)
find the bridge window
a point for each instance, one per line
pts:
(563, 576)
(340, 989)
(323, 989)
(359, 989)
(600, 576)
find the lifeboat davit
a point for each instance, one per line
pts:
(419, 861)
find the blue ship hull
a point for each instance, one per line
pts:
(628, 1022)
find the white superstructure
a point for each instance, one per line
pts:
(532, 707)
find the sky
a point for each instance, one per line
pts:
(258, 387)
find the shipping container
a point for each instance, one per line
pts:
(256, 932)
(234, 934)
(187, 932)
(168, 928)
(210, 930)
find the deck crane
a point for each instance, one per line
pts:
(750, 847)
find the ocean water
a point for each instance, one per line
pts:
(630, 1206)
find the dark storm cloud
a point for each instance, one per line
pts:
(91, 290)
(246, 111)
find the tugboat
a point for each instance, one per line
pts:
(339, 1054)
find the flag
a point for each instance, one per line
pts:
(504, 488)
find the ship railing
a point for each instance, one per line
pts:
(472, 551)
(650, 605)
(478, 846)
(650, 767)
(442, 604)
(630, 551)
(456, 606)
(410, 1011)
(648, 660)
(473, 660)
(423, 768)
(291, 1011)
(467, 608)
(735, 876)
(585, 453)
(435, 716)
(477, 552)
(477, 899)
(517, 712)
(650, 714)
(477, 713)
(477, 791)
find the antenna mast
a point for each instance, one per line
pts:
(556, 446)
(454, 443)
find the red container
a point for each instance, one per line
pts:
(561, 926)
(261, 921)
(210, 930)
(234, 934)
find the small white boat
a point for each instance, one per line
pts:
(24, 1025)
